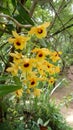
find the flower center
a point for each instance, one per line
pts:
(40, 55)
(18, 43)
(39, 30)
(16, 58)
(32, 83)
(51, 81)
(48, 66)
(26, 64)
(56, 55)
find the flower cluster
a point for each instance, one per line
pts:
(41, 65)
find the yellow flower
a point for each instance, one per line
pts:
(16, 57)
(41, 53)
(55, 56)
(40, 68)
(13, 69)
(26, 65)
(37, 92)
(32, 82)
(40, 31)
(19, 92)
(48, 66)
(45, 50)
(31, 73)
(41, 71)
(57, 69)
(40, 56)
(51, 80)
(54, 70)
(18, 41)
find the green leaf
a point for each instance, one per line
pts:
(10, 27)
(13, 3)
(19, 19)
(4, 10)
(17, 80)
(1, 33)
(28, 4)
(5, 89)
(5, 126)
(24, 13)
(3, 78)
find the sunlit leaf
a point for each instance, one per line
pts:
(5, 89)
(28, 3)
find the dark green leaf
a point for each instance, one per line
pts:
(13, 2)
(24, 13)
(5, 126)
(1, 33)
(4, 10)
(20, 19)
(3, 78)
(10, 27)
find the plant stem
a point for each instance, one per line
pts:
(15, 21)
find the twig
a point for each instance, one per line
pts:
(53, 22)
(63, 29)
(61, 7)
(33, 7)
(56, 13)
(15, 21)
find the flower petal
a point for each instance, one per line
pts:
(11, 40)
(15, 34)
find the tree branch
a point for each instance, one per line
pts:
(56, 13)
(33, 7)
(69, 26)
(61, 7)
(15, 21)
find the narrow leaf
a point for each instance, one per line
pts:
(13, 3)
(24, 13)
(5, 89)
(19, 19)
(17, 80)
(4, 10)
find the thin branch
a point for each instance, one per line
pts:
(62, 29)
(61, 7)
(69, 26)
(15, 21)
(68, 21)
(53, 22)
(57, 15)
(23, 2)
(33, 7)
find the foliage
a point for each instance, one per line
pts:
(35, 46)
(29, 114)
